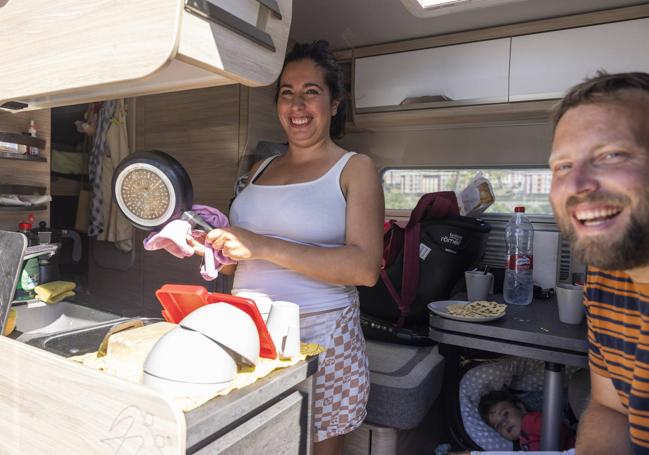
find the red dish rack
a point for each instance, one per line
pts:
(178, 300)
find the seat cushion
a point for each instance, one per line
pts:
(405, 381)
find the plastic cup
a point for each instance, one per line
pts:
(262, 301)
(284, 328)
(570, 303)
(479, 285)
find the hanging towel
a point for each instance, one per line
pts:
(97, 154)
(172, 238)
(116, 227)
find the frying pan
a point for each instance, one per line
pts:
(152, 188)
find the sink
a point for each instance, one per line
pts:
(36, 319)
(65, 328)
(81, 340)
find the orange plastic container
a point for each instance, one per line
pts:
(178, 300)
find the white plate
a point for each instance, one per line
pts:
(440, 309)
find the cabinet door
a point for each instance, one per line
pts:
(546, 65)
(463, 74)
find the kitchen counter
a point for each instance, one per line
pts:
(54, 405)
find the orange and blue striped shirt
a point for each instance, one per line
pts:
(618, 336)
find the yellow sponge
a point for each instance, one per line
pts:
(11, 322)
(55, 291)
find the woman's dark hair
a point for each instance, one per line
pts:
(601, 87)
(318, 51)
(491, 399)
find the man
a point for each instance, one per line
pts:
(600, 197)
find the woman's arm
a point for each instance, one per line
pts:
(358, 262)
(604, 426)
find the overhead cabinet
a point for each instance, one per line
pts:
(470, 73)
(546, 65)
(71, 52)
(520, 68)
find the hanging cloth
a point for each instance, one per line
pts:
(116, 227)
(97, 154)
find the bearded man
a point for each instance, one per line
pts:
(600, 197)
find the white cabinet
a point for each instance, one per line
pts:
(67, 52)
(545, 65)
(470, 73)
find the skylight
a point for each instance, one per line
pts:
(430, 8)
(434, 3)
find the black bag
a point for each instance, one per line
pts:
(439, 247)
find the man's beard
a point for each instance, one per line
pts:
(625, 251)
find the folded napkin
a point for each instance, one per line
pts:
(55, 291)
(173, 239)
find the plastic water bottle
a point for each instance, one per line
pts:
(519, 234)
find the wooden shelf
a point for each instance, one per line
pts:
(23, 190)
(16, 156)
(502, 112)
(23, 139)
(31, 208)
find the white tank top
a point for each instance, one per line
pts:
(310, 213)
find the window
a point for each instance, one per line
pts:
(512, 186)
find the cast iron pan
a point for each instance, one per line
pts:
(152, 188)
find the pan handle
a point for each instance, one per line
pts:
(196, 221)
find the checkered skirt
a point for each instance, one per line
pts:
(342, 383)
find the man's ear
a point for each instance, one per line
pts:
(521, 406)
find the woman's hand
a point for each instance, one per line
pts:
(236, 243)
(197, 241)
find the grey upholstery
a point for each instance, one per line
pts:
(405, 381)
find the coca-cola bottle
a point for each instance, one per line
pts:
(519, 234)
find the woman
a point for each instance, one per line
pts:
(308, 228)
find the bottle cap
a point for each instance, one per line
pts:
(520, 209)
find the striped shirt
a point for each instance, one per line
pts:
(618, 336)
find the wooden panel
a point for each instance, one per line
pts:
(36, 173)
(262, 124)
(54, 405)
(76, 44)
(200, 128)
(279, 429)
(218, 49)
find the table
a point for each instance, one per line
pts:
(533, 331)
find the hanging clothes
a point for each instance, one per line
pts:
(95, 167)
(116, 227)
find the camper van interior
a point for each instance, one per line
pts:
(119, 120)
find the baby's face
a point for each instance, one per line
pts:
(506, 418)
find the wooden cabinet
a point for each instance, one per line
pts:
(470, 73)
(70, 52)
(545, 65)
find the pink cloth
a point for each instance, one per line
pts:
(172, 238)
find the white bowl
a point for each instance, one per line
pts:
(182, 389)
(230, 327)
(187, 356)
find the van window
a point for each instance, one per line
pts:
(530, 187)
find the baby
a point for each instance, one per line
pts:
(505, 413)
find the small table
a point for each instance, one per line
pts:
(533, 331)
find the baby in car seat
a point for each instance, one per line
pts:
(505, 413)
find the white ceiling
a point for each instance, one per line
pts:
(356, 23)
